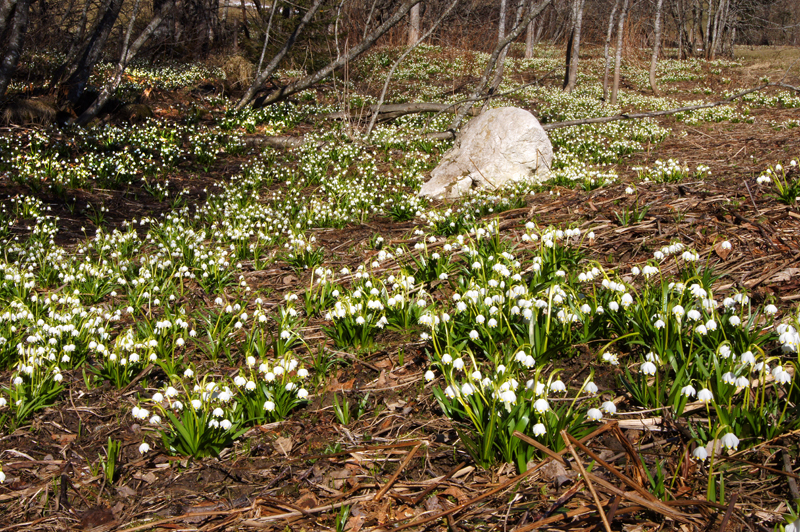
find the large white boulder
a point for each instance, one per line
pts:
(498, 146)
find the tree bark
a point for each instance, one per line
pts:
(501, 60)
(709, 20)
(128, 53)
(92, 51)
(607, 58)
(413, 26)
(378, 109)
(310, 80)
(266, 35)
(679, 21)
(263, 75)
(656, 46)
(529, 39)
(515, 32)
(720, 23)
(6, 7)
(618, 59)
(572, 75)
(17, 25)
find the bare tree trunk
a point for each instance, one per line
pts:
(679, 20)
(656, 46)
(572, 76)
(712, 36)
(529, 38)
(709, 20)
(92, 51)
(413, 26)
(263, 75)
(720, 22)
(618, 59)
(400, 59)
(515, 32)
(244, 20)
(605, 50)
(17, 25)
(310, 80)
(128, 53)
(501, 60)
(6, 6)
(266, 35)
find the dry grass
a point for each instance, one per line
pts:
(28, 112)
(238, 70)
(770, 58)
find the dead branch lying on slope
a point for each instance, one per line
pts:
(392, 111)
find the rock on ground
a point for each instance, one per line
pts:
(500, 145)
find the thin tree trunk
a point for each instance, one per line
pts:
(709, 21)
(400, 59)
(605, 50)
(244, 20)
(501, 60)
(656, 46)
(128, 53)
(310, 80)
(490, 65)
(413, 26)
(529, 37)
(366, 24)
(92, 51)
(618, 59)
(263, 75)
(680, 22)
(720, 27)
(572, 76)
(712, 37)
(266, 35)
(17, 25)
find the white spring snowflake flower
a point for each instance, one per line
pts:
(609, 408)
(541, 406)
(705, 395)
(648, 368)
(730, 441)
(594, 414)
(700, 453)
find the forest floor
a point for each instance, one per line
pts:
(398, 463)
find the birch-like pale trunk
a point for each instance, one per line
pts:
(606, 56)
(376, 112)
(720, 26)
(413, 26)
(266, 36)
(529, 37)
(501, 61)
(519, 26)
(656, 47)
(618, 58)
